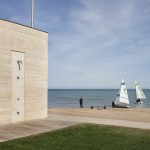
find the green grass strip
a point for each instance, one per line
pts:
(84, 137)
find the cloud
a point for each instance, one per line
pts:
(101, 43)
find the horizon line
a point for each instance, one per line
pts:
(92, 88)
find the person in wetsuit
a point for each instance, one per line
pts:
(81, 102)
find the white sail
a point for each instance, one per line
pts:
(139, 92)
(123, 94)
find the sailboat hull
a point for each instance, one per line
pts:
(138, 102)
(120, 105)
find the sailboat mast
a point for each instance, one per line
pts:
(32, 14)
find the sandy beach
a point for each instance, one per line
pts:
(136, 115)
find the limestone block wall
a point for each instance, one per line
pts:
(34, 45)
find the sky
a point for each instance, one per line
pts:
(92, 43)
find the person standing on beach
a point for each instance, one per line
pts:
(81, 102)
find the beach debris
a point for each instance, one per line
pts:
(98, 107)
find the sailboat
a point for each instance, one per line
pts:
(140, 96)
(122, 99)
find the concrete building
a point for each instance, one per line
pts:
(23, 73)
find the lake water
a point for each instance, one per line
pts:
(97, 97)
